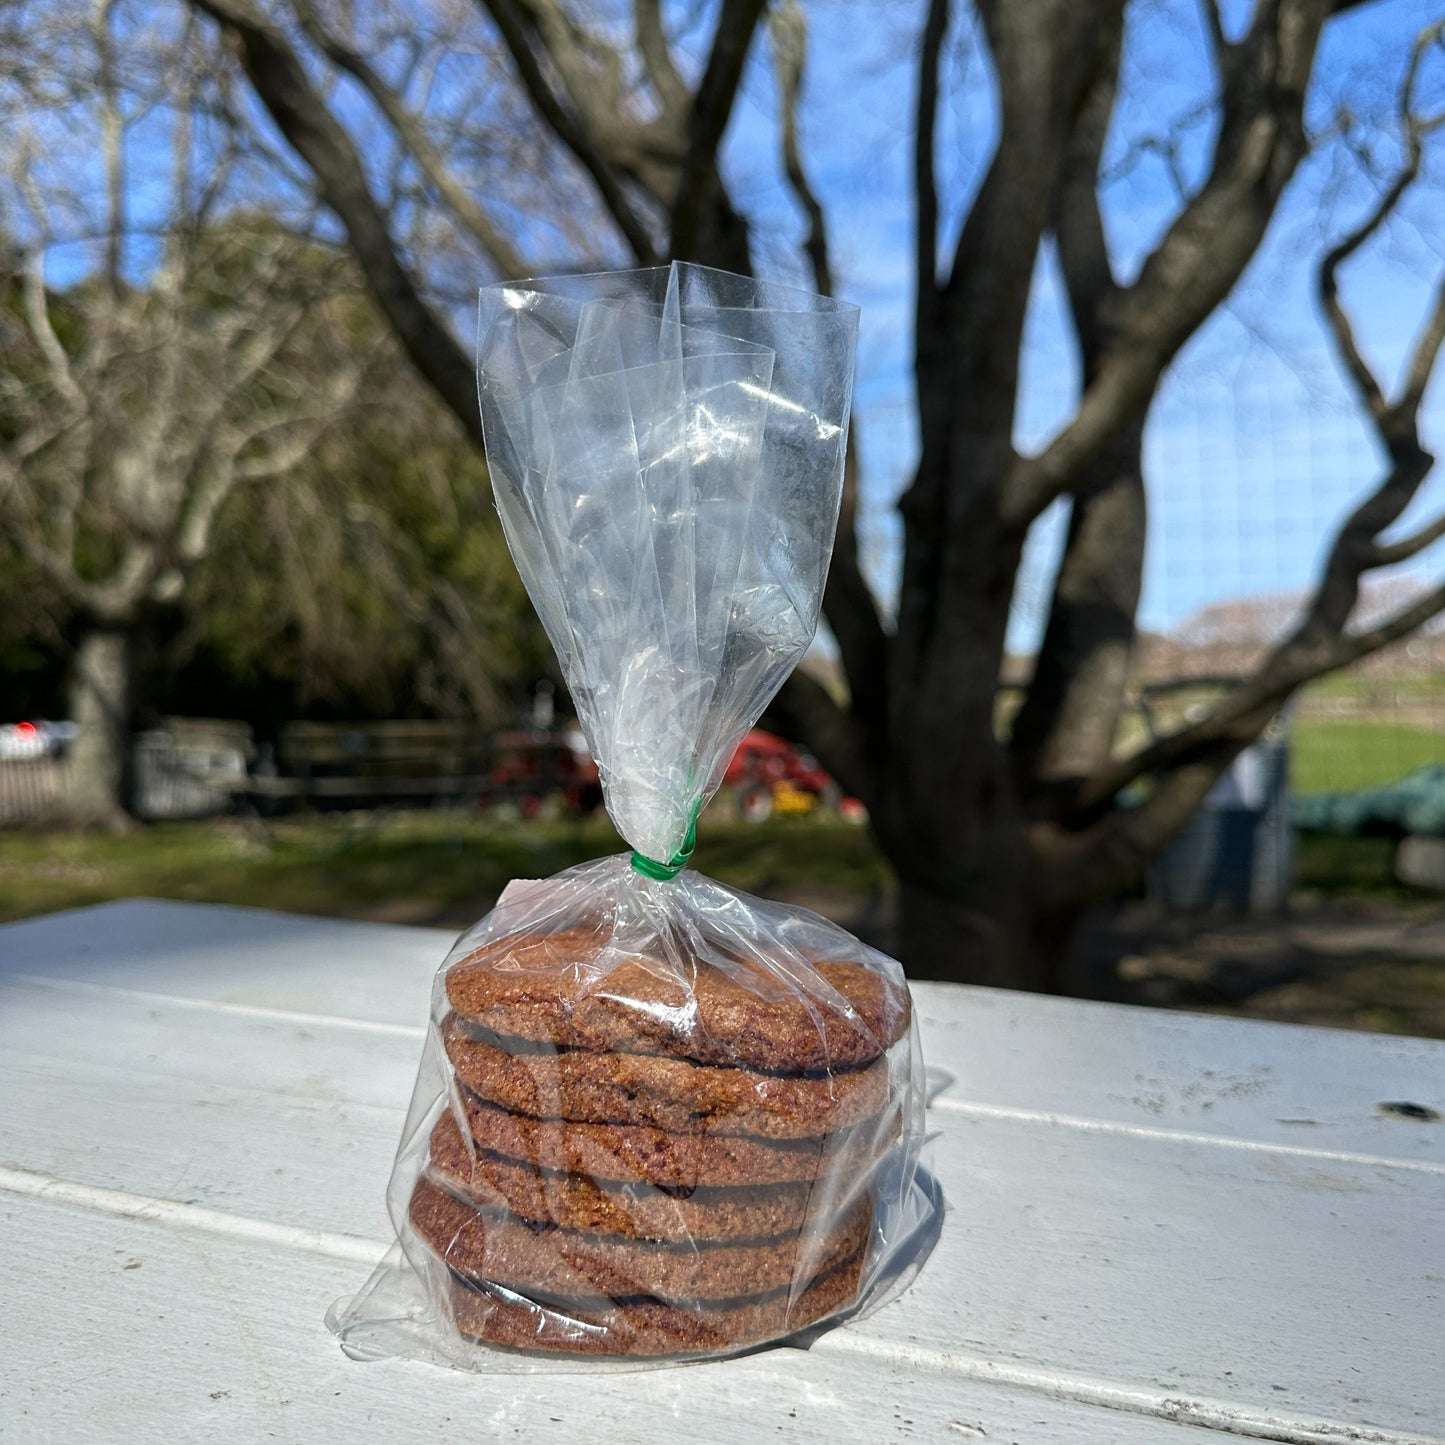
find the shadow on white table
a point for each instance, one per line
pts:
(1161, 1226)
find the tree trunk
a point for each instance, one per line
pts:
(1066, 728)
(961, 940)
(997, 933)
(100, 698)
(947, 817)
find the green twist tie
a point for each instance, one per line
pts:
(651, 868)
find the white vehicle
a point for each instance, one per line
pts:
(39, 739)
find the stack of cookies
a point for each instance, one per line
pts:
(656, 1156)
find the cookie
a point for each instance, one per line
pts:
(638, 1154)
(775, 1015)
(664, 1093)
(646, 1326)
(638, 1211)
(554, 1263)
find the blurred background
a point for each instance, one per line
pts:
(261, 640)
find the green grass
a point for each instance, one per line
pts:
(415, 866)
(1338, 757)
(1376, 691)
(334, 865)
(1336, 867)
(449, 867)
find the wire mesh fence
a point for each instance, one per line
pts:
(1250, 471)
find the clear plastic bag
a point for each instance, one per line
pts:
(656, 1118)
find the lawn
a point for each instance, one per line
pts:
(1338, 757)
(417, 867)
(447, 868)
(1376, 691)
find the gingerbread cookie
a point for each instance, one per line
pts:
(635, 1153)
(594, 1206)
(647, 1326)
(553, 1263)
(779, 1016)
(658, 1091)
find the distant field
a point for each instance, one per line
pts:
(1376, 691)
(411, 867)
(446, 869)
(1337, 757)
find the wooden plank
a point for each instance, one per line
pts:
(1191, 1073)
(245, 957)
(226, 1110)
(125, 1329)
(988, 1050)
(1296, 1292)
(1265, 1288)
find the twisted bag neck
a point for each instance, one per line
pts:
(663, 872)
(666, 452)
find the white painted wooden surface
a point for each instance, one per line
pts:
(1160, 1226)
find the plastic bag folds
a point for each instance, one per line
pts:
(656, 1118)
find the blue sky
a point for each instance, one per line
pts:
(1255, 446)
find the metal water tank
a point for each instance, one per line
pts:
(1237, 852)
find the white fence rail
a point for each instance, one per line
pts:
(29, 789)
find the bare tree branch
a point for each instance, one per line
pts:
(1214, 28)
(1081, 867)
(701, 211)
(789, 32)
(112, 141)
(925, 176)
(1317, 646)
(318, 137)
(1388, 553)
(1260, 143)
(245, 352)
(22, 525)
(1422, 363)
(662, 74)
(1319, 643)
(848, 601)
(1389, 418)
(414, 137)
(1327, 286)
(304, 429)
(1079, 227)
(517, 21)
(110, 601)
(1065, 727)
(37, 319)
(1237, 719)
(1355, 549)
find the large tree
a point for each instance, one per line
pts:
(536, 134)
(374, 582)
(194, 352)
